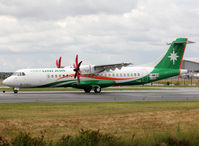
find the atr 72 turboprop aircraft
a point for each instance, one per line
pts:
(95, 77)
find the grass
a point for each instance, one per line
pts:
(97, 138)
(119, 119)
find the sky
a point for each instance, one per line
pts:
(34, 33)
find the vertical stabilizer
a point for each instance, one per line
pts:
(174, 56)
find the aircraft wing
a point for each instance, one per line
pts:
(109, 67)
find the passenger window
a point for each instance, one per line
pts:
(135, 74)
(48, 76)
(60, 76)
(121, 74)
(128, 75)
(113, 75)
(52, 76)
(138, 74)
(55, 76)
(124, 75)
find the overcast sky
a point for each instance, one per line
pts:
(34, 33)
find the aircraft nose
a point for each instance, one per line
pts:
(5, 82)
(9, 82)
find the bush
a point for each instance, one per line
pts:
(24, 139)
(90, 138)
(96, 138)
(3, 142)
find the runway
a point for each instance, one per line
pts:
(164, 94)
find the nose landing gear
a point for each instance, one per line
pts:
(15, 90)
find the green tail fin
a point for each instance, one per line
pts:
(174, 56)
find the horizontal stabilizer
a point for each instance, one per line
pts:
(183, 42)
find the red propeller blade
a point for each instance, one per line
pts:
(79, 72)
(76, 60)
(58, 63)
(77, 69)
(78, 79)
(74, 65)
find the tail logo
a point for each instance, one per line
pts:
(173, 57)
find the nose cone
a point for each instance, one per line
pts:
(10, 82)
(5, 82)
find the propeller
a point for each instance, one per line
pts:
(77, 69)
(58, 63)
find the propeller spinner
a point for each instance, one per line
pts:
(77, 69)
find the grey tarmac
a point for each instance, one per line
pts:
(164, 94)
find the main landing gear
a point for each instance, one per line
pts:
(88, 90)
(97, 89)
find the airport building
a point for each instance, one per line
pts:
(191, 64)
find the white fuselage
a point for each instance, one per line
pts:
(44, 76)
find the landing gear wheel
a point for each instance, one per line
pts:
(87, 90)
(15, 90)
(97, 89)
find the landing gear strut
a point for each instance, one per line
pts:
(97, 89)
(15, 90)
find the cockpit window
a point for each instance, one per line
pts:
(19, 74)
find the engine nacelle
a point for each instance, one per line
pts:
(88, 69)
